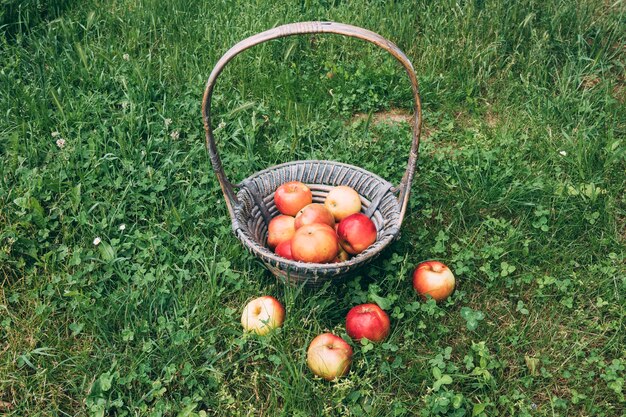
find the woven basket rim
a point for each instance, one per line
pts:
(286, 264)
(315, 161)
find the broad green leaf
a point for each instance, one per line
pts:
(382, 302)
(106, 380)
(445, 380)
(76, 328)
(472, 317)
(106, 251)
(22, 202)
(478, 408)
(38, 212)
(187, 411)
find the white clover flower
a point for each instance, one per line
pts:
(126, 57)
(563, 153)
(55, 134)
(61, 143)
(175, 134)
(222, 125)
(97, 241)
(167, 122)
(122, 226)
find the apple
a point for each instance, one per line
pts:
(356, 233)
(284, 249)
(315, 243)
(343, 201)
(314, 213)
(342, 255)
(369, 321)
(329, 356)
(263, 315)
(434, 279)
(280, 229)
(291, 197)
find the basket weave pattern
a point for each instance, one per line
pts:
(257, 192)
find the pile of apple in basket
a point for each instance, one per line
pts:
(320, 233)
(314, 236)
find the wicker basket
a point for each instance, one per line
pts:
(252, 206)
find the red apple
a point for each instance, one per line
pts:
(284, 249)
(434, 279)
(343, 201)
(314, 213)
(280, 229)
(329, 356)
(369, 321)
(356, 233)
(314, 243)
(291, 197)
(262, 315)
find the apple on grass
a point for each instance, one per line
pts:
(343, 201)
(368, 321)
(280, 229)
(314, 213)
(356, 233)
(262, 315)
(433, 278)
(315, 243)
(291, 197)
(329, 356)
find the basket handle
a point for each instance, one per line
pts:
(298, 29)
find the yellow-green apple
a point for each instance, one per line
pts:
(284, 249)
(369, 321)
(343, 201)
(342, 255)
(356, 233)
(262, 315)
(432, 278)
(314, 213)
(329, 356)
(280, 229)
(314, 243)
(291, 197)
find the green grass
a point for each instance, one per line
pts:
(520, 189)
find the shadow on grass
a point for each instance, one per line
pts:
(21, 16)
